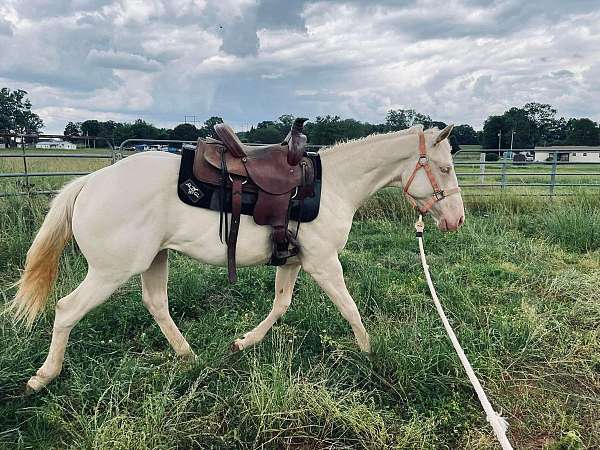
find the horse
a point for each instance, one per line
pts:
(127, 216)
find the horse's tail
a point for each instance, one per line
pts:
(41, 264)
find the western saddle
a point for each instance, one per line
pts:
(275, 173)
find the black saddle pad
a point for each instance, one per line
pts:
(194, 192)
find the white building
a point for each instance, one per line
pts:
(56, 144)
(572, 153)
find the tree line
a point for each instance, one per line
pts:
(324, 130)
(537, 125)
(534, 124)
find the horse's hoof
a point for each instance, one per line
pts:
(188, 357)
(29, 390)
(235, 346)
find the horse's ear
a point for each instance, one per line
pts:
(443, 134)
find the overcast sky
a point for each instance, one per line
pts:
(456, 60)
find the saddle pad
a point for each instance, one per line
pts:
(194, 192)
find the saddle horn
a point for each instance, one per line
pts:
(296, 141)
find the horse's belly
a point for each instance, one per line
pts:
(195, 232)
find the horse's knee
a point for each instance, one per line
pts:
(281, 305)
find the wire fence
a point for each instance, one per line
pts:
(480, 172)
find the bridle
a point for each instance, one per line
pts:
(438, 194)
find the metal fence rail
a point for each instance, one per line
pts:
(23, 151)
(469, 164)
(507, 168)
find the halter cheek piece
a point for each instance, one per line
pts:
(438, 194)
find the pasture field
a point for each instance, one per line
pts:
(519, 283)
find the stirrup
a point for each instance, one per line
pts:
(284, 250)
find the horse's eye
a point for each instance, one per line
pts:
(446, 169)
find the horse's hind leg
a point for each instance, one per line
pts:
(92, 291)
(154, 296)
(285, 279)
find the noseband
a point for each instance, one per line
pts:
(438, 194)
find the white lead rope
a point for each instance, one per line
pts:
(497, 422)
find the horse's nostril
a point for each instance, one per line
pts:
(461, 220)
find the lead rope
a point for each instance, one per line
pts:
(498, 423)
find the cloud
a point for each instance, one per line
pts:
(6, 28)
(250, 60)
(112, 59)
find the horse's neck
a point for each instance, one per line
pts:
(357, 170)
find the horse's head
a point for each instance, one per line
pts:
(429, 180)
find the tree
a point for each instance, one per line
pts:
(267, 132)
(140, 129)
(208, 130)
(543, 117)
(286, 120)
(185, 132)
(90, 128)
(465, 135)
(492, 126)
(15, 113)
(399, 119)
(582, 132)
(526, 132)
(73, 129)
(331, 129)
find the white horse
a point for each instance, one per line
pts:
(126, 216)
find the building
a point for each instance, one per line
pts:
(52, 144)
(571, 153)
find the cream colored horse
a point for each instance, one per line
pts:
(126, 216)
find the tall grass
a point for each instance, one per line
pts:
(519, 283)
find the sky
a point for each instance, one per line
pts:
(246, 61)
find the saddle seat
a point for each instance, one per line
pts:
(276, 173)
(266, 166)
(238, 150)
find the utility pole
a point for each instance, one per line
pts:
(499, 139)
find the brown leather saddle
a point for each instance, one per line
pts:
(276, 173)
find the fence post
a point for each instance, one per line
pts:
(112, 150)
(553, 173)
(503, 179)
(482, 168)
(25, 164)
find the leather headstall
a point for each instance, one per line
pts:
(438, 194)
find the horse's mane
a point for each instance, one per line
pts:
(376, 137)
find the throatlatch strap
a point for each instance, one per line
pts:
(236, 210)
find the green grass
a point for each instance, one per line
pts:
(519, 283)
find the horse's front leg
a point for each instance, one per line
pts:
(285, 279)
(329, 275)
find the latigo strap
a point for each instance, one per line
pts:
(236, 209)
